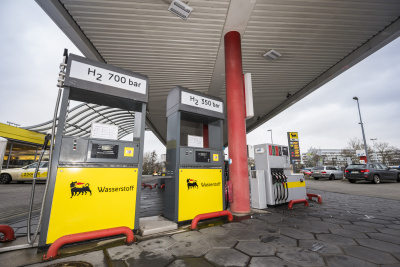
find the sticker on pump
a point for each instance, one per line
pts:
(215, 157)
(128, 151)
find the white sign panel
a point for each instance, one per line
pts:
(195, 141)
(95, 74)
(360, 153)
(104, 131)
(201, 102)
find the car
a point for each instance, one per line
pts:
(24, 174)
(306, 171)
(326, 172)
(373, 172)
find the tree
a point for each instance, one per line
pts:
(353, 145)
(313, 157)
(150, 163)
(385, 151)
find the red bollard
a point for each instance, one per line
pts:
(295, 201)
(52, 253)
(310, 196)
(8, 233)
(155, 185)
(162, 186)
(204, 216)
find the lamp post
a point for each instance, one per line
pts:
(362, 129)
(373, 142)
(272, 142)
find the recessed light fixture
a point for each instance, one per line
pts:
(180, 9)
(272, 55)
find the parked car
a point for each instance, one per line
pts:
(374, 172)
(24, 174)
(326, 172)
(306, 171)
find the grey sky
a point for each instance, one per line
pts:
(32, 46)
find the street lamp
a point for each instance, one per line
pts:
(376, 155)
(362, 129)
(272, 142)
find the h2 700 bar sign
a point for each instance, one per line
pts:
(201, 102)
(99, 75)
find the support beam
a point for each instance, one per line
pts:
(236, 123)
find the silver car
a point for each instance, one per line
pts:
(326, 172)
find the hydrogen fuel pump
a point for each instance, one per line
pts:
(94, 179)
(272, 182)
(195, 159)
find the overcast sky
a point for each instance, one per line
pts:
(32, 46)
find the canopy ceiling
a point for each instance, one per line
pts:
(318, 40)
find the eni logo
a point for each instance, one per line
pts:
(192, 183)
(79, 189)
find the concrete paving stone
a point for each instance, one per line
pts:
(270, 262)
(244, 235)
(344, 260)
(117, 263)
(234, 225)
(393, 226)
(300, 256)
(359, 228)
(252, 221)
(124, 252)
(308, 218)
(189, 236)
(96, 258)
(368, 254)
(189, 249)
(20, 258)
(320, 247)
(368, 224)
(296, 234)
(326, 224)
(151, 258)
(271, 218)
(385, 237)
(190, 262)
(397, 255)
(217, 241)
(227, 257)
(296, 221)
(264, 227)
(157, 243)
(336, 239)
(377, 220)
(348, 233)
(215, 230)
(378, 244)
(315, 229)
(256, 248)
(335, 220)
(278, 240)
(391, 265)
(389, 231)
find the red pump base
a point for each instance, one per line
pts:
(204, 216)
(52, 253)
(8, 233)
(310, 196)
(295, 201)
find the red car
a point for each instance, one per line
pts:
(305, 172)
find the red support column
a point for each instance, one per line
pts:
(236, 123)
(205, 136)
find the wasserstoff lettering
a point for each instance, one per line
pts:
(115, 189)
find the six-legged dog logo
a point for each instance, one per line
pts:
(191, 183)
(79, 189)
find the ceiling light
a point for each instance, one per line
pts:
(272, 55)
(180, 9)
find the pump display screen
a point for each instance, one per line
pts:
(202, 156)
(285, 151)
(104, 151)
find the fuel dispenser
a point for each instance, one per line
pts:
(195, 167)
(94, 181)
(272, 183)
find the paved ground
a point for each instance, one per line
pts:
(346, 230)
(385, 190)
